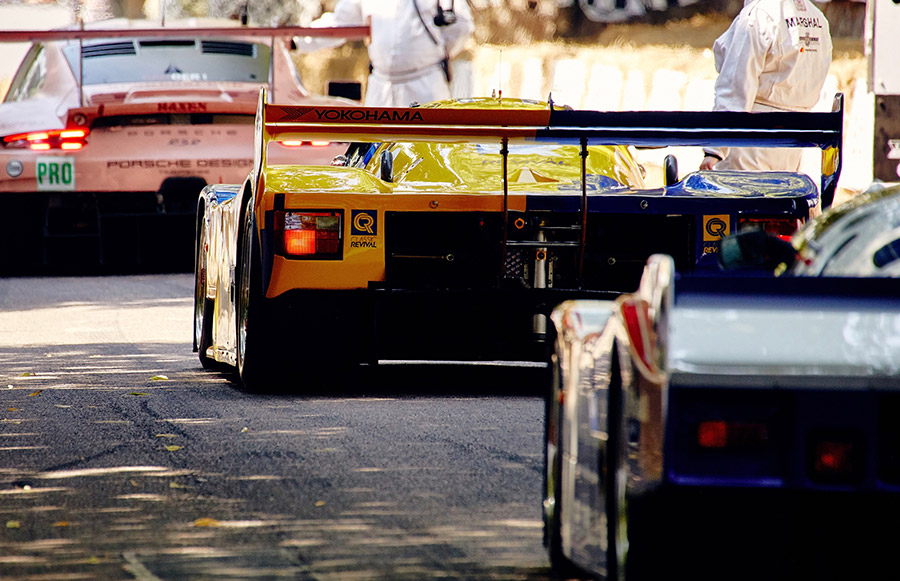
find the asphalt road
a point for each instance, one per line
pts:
(120, 458)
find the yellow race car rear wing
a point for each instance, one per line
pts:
(583, 128)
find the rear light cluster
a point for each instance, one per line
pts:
(783, 228)
(63, 139)
(801, 438)
(831, 456)
(310, 234)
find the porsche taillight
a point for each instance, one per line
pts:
(310, 234)
(298, 143)
(61, 139)
(783, 228)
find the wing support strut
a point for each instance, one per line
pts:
(504, 154)
(582, 241)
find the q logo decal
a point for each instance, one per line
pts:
(715, 227)
(364, 223)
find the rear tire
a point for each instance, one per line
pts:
(254, 359)
(617, 477)
(204, 309)
(614, 483)
(205, 341)
(553, 416)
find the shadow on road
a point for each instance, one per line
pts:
(413, 380)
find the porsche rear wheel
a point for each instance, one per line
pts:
(253, 357)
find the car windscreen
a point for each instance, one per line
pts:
(170, 60)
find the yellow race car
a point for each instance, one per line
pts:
(449, 231)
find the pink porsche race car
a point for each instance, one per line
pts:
(109, 132)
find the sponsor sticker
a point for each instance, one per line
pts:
(55, 173)
(716, 227)
(363, 228)
(364, 223)
(181, 107)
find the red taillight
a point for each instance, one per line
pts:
(298, 143)
(783, 228)
(835, 458)
(300, 242)
(65, 139)
(311, 234)
(712, 434)
(719, 434)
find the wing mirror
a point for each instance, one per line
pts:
(387, 166)
(755, 249)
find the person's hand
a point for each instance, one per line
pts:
(709, 162)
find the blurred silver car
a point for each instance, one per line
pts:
(743, 427)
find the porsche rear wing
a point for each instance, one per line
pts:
(346, 32)
(577, 127)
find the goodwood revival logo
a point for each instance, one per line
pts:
(364, 229)
(715, 227)
(364, 223)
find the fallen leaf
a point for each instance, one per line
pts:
(13, 409)
(13, 524)
(166, 435)
(135, 484)
(206, 522)
(61, 523)
(28, 374)
(35, 393)
(176, 485)
(159, 378)
(320, 503)
(244, 430)
(138, 393)
(173, 448)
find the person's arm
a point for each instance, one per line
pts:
(346, 13)
(743, 57)
(740, 58)
(710, 159)
(456, 35)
